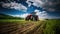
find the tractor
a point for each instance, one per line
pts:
(32, 17)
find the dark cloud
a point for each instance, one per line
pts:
(13, 4)
(17, 1)
(13, 0)
(52, 5)
(49, 5)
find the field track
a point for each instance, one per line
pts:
(16, 28)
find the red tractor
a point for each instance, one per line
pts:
(32, 17)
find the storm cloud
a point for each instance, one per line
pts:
(48, 5)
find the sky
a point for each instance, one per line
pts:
(21, 8)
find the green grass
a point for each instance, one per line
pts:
(10, 20)
(17, 21)
(52, 27)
